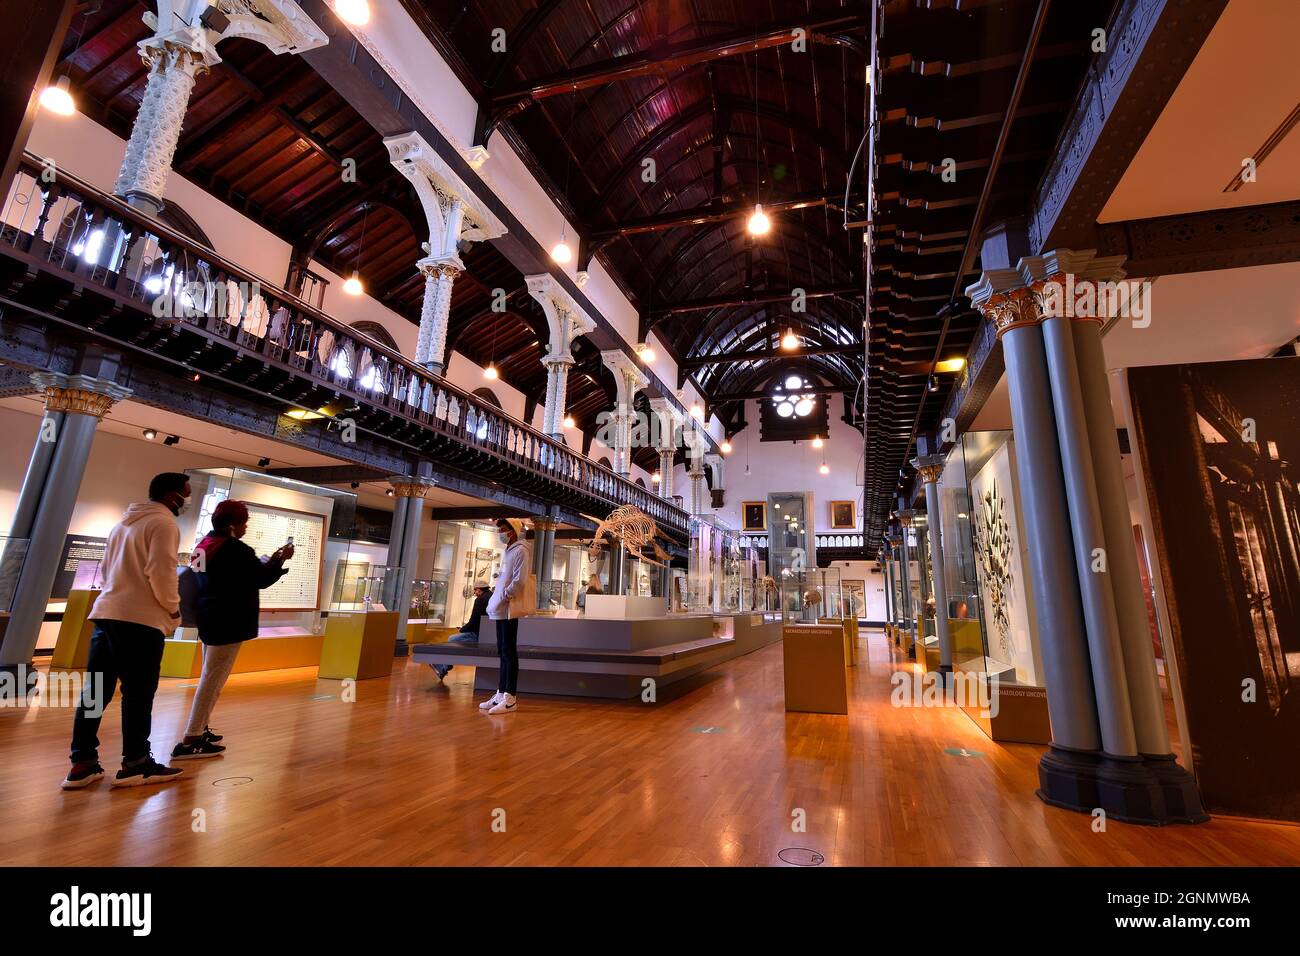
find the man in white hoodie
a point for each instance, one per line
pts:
(508, 604)
(134, 613)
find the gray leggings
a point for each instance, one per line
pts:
(218, 659)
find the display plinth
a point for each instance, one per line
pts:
(624, 607)
(816, 669)
(72, 649)
(358, 645)
(183, 656)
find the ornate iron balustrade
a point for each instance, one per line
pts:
(63, 225)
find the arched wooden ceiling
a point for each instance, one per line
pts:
(776, 125)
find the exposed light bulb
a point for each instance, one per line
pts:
(646, 353)
(57, 98)
(825, 469)
(355, 12)
(697, 411)
(568, 421)
(817, 442)
(353, 286)
(656, 478)
(789, 341)
(759, 224)
(490, 373)
(562, 253)
(725, 447)
(150, 434)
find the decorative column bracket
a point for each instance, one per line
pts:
(566, 321)
(628, 380)
(455, 216)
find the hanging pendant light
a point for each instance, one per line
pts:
(725, 447)
(57, 97)
(562, 254)
(354, 286)
(789, 341)
(817, 442)
(490, 373)
(355, 12)
(759, 224)
(568, 421)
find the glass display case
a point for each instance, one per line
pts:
(465, 552)
(791, 542)
(811, 596)
(428, 600)
(990, 606)
(377, 588)
(716, 566)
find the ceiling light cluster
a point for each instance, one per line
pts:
(792, 398)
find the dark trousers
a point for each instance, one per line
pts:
(508, 652)
(129, 653)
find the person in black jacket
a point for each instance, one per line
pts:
(231, 575)
(469, 631)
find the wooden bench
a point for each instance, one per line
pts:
(581, 671)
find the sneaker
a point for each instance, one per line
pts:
(147, 771)
(211, 736)
(82, 775)
(200, 748)
(506, 705)
(491, 701)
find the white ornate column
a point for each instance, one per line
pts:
(455, 217)
(628, 379)
(668, 418)
(566, 321)
(181, 49)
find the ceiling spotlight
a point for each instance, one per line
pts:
(389, 492)
(263, 462)
(789, 341)
(172, 440)
(57, 98)
(656, 478)
(933, 384)
(562, 253)
(825, 469)
(725, 447)
(568, 421)
(817, 442)
(777, 506)
(195, 377)
(150, 434)
(646, 353)
(353, 286)
(491, 374)
(355, 12)
(759, 224)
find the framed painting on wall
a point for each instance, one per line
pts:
(754, 515)
(844, 515)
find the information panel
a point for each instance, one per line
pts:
(268, 529)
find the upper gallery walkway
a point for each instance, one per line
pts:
(203, 336)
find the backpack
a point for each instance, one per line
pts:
(190, 584)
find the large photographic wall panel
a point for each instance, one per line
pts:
(1219, 448)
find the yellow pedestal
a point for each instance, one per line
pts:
(358, 645)
(184, 658)
(72, 649)
(816, 670)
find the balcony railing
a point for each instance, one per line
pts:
(65, 226)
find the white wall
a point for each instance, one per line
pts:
(787, 466)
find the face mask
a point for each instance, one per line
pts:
(183, 508)
(503, 538)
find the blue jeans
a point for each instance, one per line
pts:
(460, 637)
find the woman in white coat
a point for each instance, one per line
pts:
(506, 608)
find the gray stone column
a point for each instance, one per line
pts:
(76, 404)
(905, 567)
(412, 490)
(666, 456)
(617, 560)
(544, 543)
(1121, 550)
(931, 468)
(557, 390)
(38, 471)
(1063, 642)
(1110, 684)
